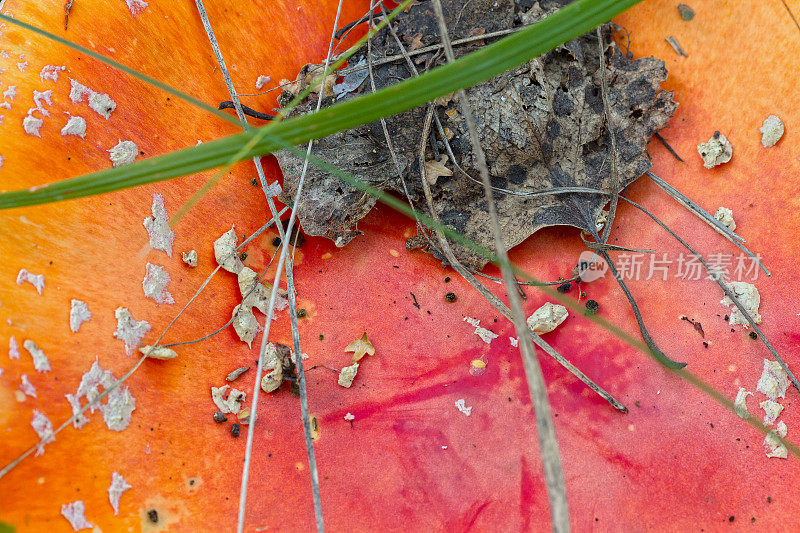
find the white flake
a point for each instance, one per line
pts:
(1, 157)
(772, 411)
(39, 99)
(50, 72)
(89, 388)
(118, 409)
(159, 352)
(228, 400)
(547, 318)
(748, 296)
(78, 91)
(44, 428)
(262, 80)
(102, 104)
(190, 258)
(245, 324)
(37, 280)
(155, 284)
(347, 375)
(78, 314)
(461, 406)
(74, 513)
(115, 490)
(75, 126)
(485, 335)
(349, 417)
(157, 226)
(31, 125)
(136, 6)
(22, 65)
(273, 369)
(514, 341)
(740, 403)
(13, 348)
(26, 386)
(5, 105)
(11, 92)
(79, 420)
(716, 151)
(40, 361)
(130, 331)
(225, 252)
(773, 381)
(771, 131)
(124, 153)
(725, 216)
(772, 446)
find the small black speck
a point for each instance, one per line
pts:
(254, 182)
(731, 519)
(235, 430)
(564, 288)
(321, 337)
(301, 313)
(447, 279)
(141, 152)
(726, 318)
(152, 515)
(753, 335)
(220, 417)
(592, 307)
(276, 241)
(705, 344)
(243, 256)
(769, 499)
(450, 297)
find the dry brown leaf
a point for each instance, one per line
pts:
(434, 169)
(360, 347)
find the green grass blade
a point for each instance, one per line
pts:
(569, 22)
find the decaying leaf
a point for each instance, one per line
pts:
(256, 294)
(360, 347)
(542, 125)
(273, 370)
(225, 252)
(245, 324)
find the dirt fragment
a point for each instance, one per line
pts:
(547, 318)
(773, 381)
(115, 490)
(695, 324)
(771, 131)
(225, 252)
(740, 403)
(716, 151)
(130, 331)
(686, 12)
(725, 216)
(347, 375)
(772, 446)
(74, 513)
(37, 280)
(772, 411)
(228, 400)
(155, 283)
(44, 429)
(190, 258)
(748, 296)
(157, 226)
(158, 353)
(40, 361)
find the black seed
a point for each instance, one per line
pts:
(243, 256)
(254, 182)
(447, 279)
(235, 430)
(152, 515)
(592, 307)
(220, 417)
(301, 313)
(564, 288)
(450, 297)
(276, 241)
(753, 335)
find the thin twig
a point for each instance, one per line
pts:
(551, 459)
(671, 150)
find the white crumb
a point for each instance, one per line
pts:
(37, 280)
(158, 352)
(13, 348)
(5, 105)
(514, 341)
(349, 417)
(772, 446)
(461, 406)
(50, 72)
(115, 490)
(79, 420)
(44, 429)
(772, 411)
(347, 375)
(22, 65)
(245, 324)
(74, 513)
(11, 92)
(547, 318)
(255, 294)
(157, 226)
(78, 91)
(124, 153)
(75, 126)
(102, 104)
(31, 125)
(486, 335)
(774, 381)
(39, 99)
(716, 151)
(234, 375)
(130, 331)
(262, 80)
(118, 409)
(740, 403)
(155, 284)
(228, 400)
(771, 131)
(26, 386)
(190, 258)
(78, 314)
(225, 252)
(725, 216)
(748, 296)
(136, 6)
(40, 361)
